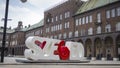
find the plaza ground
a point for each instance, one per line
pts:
(11, 63)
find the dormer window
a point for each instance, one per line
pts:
(49, 18)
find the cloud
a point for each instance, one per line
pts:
(18, 9)
(30, 13)
(43, 3)
(23, 14)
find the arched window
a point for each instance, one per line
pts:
(65, 35)
(118, 26)
(76, 33)
(98, 30)
(70, 34)
(90, 31)
(108, 28)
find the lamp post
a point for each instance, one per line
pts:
(5, 27)
(4, 31)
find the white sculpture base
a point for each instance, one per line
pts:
(103, 59)
(93, 58)
(115, 59)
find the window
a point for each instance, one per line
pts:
(52, 20)
(13, 42)
(118, 11)
(37, 32)
(76, 22)
(48, 20)
(41, 32)
(67, 25)
(51, 37)
(113, 13)
(76, 33)
(80, 32)
(84, 32)
(60, 26)
(52, 28)
(90, 31)
(0, 43)
(108, 28)
(87, 19)
(80, 21)
(56, 18)
(90, 18)
(108, 14)
(70, 34)
(60, 16)
(55, 37)
(99, 17)
(98, 30)
(83, 20)
(47, 30)
(65, 35)
(118, 26)
(67, 14)
(55, 27)
(60, 35)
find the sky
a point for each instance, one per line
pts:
(30, 12)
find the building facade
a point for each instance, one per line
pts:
(95, 23)
(98, 28)
(58, 20)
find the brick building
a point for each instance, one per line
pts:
(95, 23)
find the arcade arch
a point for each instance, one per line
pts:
(109, 48)
(118, 45)
(98, 48)
(88, 50)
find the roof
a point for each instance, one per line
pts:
(92, 4)
(41, 23)
(7, 31)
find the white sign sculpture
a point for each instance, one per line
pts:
(53, 49)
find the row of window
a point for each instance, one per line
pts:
(88, 19)
(113, 12)
(66, 15)
(82, 32)
(39, 32)
(89, 32)
(58, 27)
(83, 20)
(109, 14)
(60, 36)
(13, 43)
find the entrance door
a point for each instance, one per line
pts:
(118, 45)
(109, 54)
(119, 51)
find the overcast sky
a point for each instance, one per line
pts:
(30, 12)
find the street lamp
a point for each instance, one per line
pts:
(5, 27)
